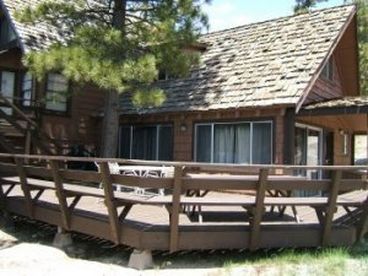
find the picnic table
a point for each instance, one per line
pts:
(270, 192)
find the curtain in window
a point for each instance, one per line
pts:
(232, 143)
(144, 143)
(261, 148)
(224, 149)
(203, 143)
(242, 144)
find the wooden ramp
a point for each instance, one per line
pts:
(234, 207)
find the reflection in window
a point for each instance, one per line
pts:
(56, 92)
(27, 86)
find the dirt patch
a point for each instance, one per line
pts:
(26, 250)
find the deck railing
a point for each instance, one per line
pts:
(186, 189)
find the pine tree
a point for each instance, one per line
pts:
(305, 5)
(118, 45)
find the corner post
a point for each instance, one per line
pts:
(289, 136)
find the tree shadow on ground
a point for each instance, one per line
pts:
(94, 249)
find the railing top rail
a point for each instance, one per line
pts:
(218, 166)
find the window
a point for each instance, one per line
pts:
(149, 142)
(27, 87)
(6, 32)
(245, 142)
(56, 93)
(328, 70)
(7, 88)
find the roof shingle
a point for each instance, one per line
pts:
(33, 37)
(262, 64)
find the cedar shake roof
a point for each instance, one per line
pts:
(257, 65)
(32, 37)
(360, 101)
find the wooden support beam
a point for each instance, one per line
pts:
(38, 195)
(24, 186)
(174, 216)
(289, 136)
(331, 207)
(8, 191)
(258, 210)
(363, 222)
(125, 212)
(60, 194)
(74, 202)
(110, 201)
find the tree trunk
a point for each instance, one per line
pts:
(110, 127)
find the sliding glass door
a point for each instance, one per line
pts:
(308, 149)
(148, 142)
(243, 142)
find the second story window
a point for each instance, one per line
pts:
(27, 87)
(56, 93)
(328, 70)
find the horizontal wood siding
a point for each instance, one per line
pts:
(82, 123)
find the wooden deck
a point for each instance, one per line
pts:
(236, 213)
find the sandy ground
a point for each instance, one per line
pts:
(19, 258)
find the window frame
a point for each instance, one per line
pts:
(21, 91)
(250, 122)
(328, 71)
(68, 97)
(157, 127)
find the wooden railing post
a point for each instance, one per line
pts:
(110, 202)
(60, 194)
(258, 210)
(331, 207)
(175, 210)
(25, 187)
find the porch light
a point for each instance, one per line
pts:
(183, 127)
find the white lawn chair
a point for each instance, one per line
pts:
(114, 169)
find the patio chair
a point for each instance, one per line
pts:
(115, 169)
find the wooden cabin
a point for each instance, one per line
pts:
(283, 91)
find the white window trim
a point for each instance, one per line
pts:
(212, 124)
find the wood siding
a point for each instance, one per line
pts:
(183, 140)
(325, 89)
(346, 71)
(350, 124)
(81, 124)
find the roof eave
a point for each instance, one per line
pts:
(11, 22)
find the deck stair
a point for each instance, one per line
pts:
(19, 129)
